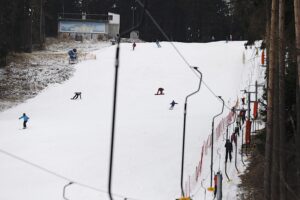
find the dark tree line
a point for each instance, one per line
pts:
(25, 23)
(277, 22)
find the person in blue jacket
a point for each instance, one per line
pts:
(173, 103)
(73, 54)
(25, 118)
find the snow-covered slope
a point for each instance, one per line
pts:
(71, 138)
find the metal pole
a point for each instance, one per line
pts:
(184, 125)
(203, 189)
(249, 102)
(212, 143)
(256, 86)
(219, 186)
(115, 99)
(235, 157)
(113, 119)
(64, 190)
(242, 150)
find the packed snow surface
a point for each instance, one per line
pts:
(69, 140)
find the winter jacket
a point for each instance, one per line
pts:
(24, 117)
(228, 146)
(72, 54)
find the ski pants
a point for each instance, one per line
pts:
(230, 156)
(24, 124)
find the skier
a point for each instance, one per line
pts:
(238, 122)
(77, 94)
(157, 43)
(216, 183)
(160, 91)
(172, 104)
(233, 138)
(243, 100)
(73, 54)
(133, 46)
(228, 147)
(25, 118)
(243, 115)
(237, 130)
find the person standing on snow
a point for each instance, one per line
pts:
(216, 184)
(228, 147)
(133, 46)
(25, 118)
(157, 43)
(173, 103)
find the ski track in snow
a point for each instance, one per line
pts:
(71, 138)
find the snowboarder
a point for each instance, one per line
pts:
(133, 46)
(25, 120)
(172, 104)
(228, 147)
(157, 43)
(160, 91)
(77, 94)
(73, 54)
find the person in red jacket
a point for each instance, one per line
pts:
(160, 91)
(216, 183)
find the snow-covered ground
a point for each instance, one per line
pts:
(68, 140)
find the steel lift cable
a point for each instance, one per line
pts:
(176, 49)
(58, 175)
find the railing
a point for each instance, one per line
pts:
(84, 16)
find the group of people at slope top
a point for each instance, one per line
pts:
(157, 43)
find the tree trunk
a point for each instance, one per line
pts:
(270, 93)
(281, 122)
(275, 146)
(42, 24)
(297, 30)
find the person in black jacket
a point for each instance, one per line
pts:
(228, 147)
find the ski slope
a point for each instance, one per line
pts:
(68, 140)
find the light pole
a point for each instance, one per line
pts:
(64, 190)
(117, 63)
(212, 142)
(133, 8)
(184, 125)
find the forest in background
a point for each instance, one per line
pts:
(24, 24)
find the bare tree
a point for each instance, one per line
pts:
(275, 145)
(270, 94)
(281, 109)
(297, 33)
